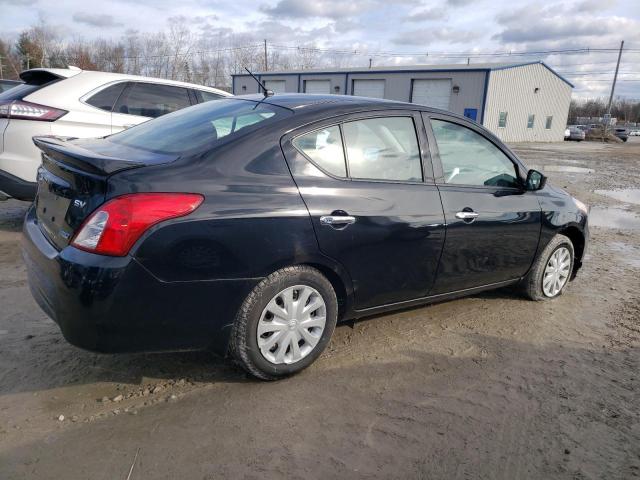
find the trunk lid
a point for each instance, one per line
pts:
(73, 181)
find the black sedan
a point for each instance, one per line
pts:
(252, 225)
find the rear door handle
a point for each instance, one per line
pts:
(467, 215)
(337, 220)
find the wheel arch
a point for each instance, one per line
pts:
(340, 283)
(578, 241)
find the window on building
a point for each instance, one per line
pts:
(531, 120)
(502, 120)
(383, 149)
(470, 159)
(547, 125)
(324, 148)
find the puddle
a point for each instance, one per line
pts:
(566, 169)
(613, 218)
(627, 195)
(629, 254)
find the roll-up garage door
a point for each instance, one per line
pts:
(276, 86)
(317, 86)
(433, 93)
(368, 88)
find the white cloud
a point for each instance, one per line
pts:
(96, 19)
(368, 26)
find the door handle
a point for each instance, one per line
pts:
(467, 215)
(337, 220)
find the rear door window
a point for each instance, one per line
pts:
(152, 99)
(383, 149)
(324, 148)
(106, 98)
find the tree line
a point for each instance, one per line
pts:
(176, 53)
(624, 110)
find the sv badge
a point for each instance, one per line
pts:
(79, 203)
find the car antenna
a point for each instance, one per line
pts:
(267, 93)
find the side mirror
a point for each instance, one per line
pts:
(535, 181)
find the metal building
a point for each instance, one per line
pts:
(519, 102)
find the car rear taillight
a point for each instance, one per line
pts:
(30, 111)
(115, 226)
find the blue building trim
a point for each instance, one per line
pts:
(484, 96)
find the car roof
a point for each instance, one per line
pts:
(313, 103)
(106, 77)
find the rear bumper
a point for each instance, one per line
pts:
(113, 304)
(17, 188)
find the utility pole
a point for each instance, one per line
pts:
(615, 78)
(266, 65)
(370, 62)
(27, 61)
(1, 75)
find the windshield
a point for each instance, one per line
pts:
(195, 127)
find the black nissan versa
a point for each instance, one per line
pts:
(252, 225)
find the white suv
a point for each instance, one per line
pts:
(77, 103)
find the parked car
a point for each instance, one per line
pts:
(76, 103)
(622, 133)
(574, 132)
(7, 84)
(634, 133)
(252, 225)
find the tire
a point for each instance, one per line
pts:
(256, 312)
(532, 286)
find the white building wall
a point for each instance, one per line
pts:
(512, 90)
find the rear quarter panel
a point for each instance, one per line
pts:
(251, 223)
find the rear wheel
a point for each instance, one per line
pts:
(551, 271)
(285, 323)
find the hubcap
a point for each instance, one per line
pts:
(291, 324)
(557, 272)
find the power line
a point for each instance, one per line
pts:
(596, 73)
(511, 53)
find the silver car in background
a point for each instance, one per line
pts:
(573, 132)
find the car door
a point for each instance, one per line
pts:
(142, 101)
(374, 208)
(493, 224)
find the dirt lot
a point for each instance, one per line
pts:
(491, 386)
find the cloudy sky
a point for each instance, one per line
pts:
(390, 32)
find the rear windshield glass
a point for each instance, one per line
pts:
(198, 126)
(21, 91)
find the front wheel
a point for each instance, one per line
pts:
(551, 271)
(285, 323)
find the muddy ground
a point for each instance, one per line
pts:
(491, 386)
